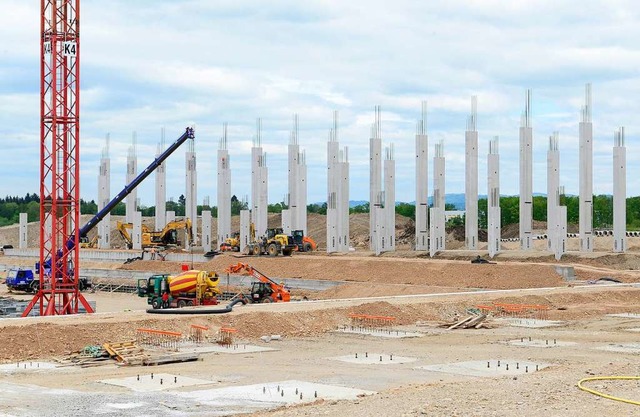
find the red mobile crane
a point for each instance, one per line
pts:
(265, 290)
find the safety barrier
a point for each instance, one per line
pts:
(159, 338)
(535, 311)
(226, 335)
(196, 333)
(368, 321)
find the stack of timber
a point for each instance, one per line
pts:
(474, 321)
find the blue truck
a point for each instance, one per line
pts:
(25, 280)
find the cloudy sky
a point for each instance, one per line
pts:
(148, 64)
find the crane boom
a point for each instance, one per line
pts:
(188, 134)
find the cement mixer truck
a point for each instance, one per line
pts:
(189, 288)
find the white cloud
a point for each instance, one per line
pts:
(202, 63)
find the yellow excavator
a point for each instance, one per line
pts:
(168, 236)
(231, 243)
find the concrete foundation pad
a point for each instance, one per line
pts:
(531, 323)
(372, 358)
(388, 333)
(233, 349)
(250, 398)
(540, 343)
(145, 383)
(625, 315)
(34, 366)
(621, 347)
(488, 368)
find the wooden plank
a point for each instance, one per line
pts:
(460, 323)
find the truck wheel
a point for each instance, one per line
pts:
(80, 285)
(190, 303)
(256, 250)
(156, 304)
(34, 287)
(266, 300)
(181, 303)
(307, 247)
(272, 250)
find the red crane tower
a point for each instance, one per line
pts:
(59, 160)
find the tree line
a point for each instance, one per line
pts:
(12, 206)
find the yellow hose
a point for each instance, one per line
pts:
(608, 378)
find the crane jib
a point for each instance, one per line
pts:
(188, 134)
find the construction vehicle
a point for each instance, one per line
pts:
(274, 242)
(85, 243)
(189, 288)
(303, 243)
(168, 236)
(231, 243)
(43, 269)
(264, 290)
(24, 280)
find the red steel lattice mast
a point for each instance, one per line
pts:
(59, 160)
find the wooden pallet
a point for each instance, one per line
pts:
(125, 352)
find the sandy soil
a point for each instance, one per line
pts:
(406, 285)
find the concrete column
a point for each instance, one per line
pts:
(285, 216)
(436, 214)
(560, 234)
(132, 173)
(375, 187)
(104, 196)
(471, 179)
(422, 182)
(390, 200)
(259, 184)
(206, 231)
(191, 195)
(493, 203)
(586, 175)
(302, 194)
(224, 190)
(333, 168)
(619, 192)
(23, 231)
(337, 192)
(292, 196)
(526, 177)
(245, 231)
(343, 201)
(136, 236)
(161, 187)
(553, 184)
(171, 216)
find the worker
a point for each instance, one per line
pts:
(165, 299)
(153, 254)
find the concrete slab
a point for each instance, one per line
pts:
(621, 347)
(387, 333)
(250, 398)
(373, 358)
(34, 366)
(540, 343)
(488, 368)
(625, 315)
(531, 323)
(233, 349)
(150, 382)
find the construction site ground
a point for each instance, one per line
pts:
(420, 293)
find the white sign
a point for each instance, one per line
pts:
(69, 48)
(47, 48)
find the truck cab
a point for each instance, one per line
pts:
(153, 288)
(20, 280)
